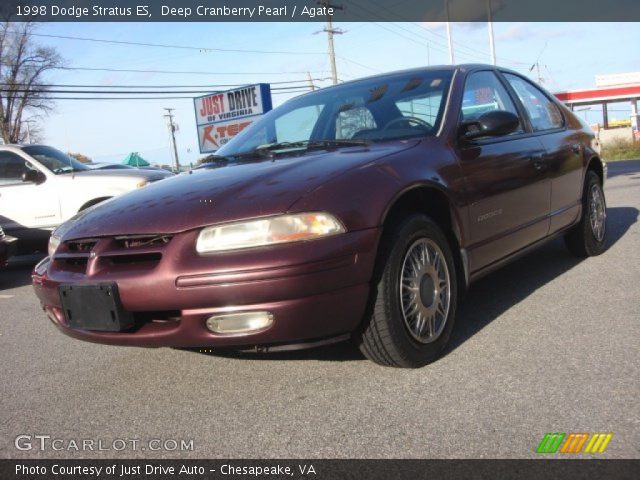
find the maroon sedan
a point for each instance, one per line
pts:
(358, 211)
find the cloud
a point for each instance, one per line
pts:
(519, 32)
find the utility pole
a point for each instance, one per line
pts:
(536, 65)
(311, 85)
(172, 131)
(330, 33)
(449, 37)
(27, 122)
(538, 74)
(492, 43)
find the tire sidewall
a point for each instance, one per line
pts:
(415, 228)
(592, 245)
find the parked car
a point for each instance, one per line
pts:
(7, 248)
(108, 166)
(41, 187)
(120, 166)
(360, 211)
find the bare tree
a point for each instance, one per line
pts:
(23, 65)
(80, 157)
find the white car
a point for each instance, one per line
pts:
(41, 187)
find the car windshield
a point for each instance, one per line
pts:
(393, 107)
(54, 160)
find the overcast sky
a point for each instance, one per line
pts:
(570, 55)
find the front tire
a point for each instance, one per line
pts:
(588, 237)
(414, 303)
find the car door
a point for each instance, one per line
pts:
(25, 206)
(563, 159)
(507, 189)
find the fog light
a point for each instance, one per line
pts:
(242, 322)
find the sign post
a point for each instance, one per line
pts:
(220, 116)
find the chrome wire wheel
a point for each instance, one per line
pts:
(425, 290)
(597, 212)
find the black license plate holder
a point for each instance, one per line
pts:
(94, 307)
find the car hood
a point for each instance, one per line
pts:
(215, 195)
(151, 175)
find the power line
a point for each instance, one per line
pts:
(443, 48)
(126, 92)
(457, 44)
(166, 45)
(178, 72)
(60, 85)
(299, 90)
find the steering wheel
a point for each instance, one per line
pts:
(419, 121)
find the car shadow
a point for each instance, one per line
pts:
(494, 294)
(486, 300)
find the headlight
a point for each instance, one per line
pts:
(54, 242)
(268, 231)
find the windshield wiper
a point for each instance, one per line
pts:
(273, 148)
(214, 161)
(323, 143)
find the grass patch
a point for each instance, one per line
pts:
(621, 150)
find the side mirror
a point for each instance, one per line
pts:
(33, 176)
(491, 124)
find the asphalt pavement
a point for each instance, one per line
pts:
(547, 344)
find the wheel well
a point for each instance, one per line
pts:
(432, 202)
(93, 202)
(595, 165)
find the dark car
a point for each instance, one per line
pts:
(7, 248)
(358, 211)
(120, 166)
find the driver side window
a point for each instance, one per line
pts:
(484, 93)
(12, 167)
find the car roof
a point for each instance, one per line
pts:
(464, 68)
(17, 146)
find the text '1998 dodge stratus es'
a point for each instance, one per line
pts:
(358, 211)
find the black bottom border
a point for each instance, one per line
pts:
(155, 469)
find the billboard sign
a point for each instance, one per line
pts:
(222, 115)
(616, 79)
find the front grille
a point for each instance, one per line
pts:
(81, 245)
(142, 241)
(122, 253)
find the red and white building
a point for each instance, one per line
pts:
(610, 89)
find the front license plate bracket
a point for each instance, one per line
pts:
(94, 307)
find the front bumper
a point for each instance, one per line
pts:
(314, 290)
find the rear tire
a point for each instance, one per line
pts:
(588, 237)
(413, 306)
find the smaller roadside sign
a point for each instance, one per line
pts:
(215, 135)
(222, 115)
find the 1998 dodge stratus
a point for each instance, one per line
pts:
(362, 210)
